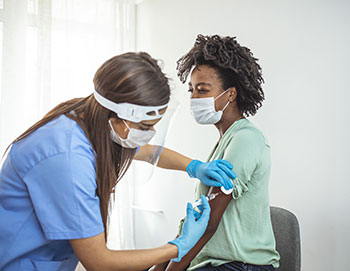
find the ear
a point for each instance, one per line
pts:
(114, 120)
(232, 94)
(118, 124)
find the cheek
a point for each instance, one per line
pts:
(221, 103)
(121, 131)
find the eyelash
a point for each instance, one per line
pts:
(199, 90)
(144, 129)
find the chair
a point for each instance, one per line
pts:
(286, 230)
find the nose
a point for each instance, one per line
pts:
(194, 94)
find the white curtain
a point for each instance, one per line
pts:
(49, 52)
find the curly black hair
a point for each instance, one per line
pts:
(235, 65)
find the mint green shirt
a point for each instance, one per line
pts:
(245, 231)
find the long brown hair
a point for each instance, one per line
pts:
(131, 77)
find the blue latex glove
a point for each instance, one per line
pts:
(197, 214)
(192, 230)
(215, 173)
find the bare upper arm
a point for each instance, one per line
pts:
(218, 207)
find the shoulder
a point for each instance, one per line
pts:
(245, 140)
(56, 138)
(247, 132)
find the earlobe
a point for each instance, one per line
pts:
(233, 94)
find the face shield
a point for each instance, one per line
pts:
(144, 171)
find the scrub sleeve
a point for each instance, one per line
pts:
(62, 189)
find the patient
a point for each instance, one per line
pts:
(225, 85)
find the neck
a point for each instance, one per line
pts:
(230, 116)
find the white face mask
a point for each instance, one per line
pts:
(203, 109)
(135, 138)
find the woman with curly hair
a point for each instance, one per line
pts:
(225, 85)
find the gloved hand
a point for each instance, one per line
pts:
(192, 230)
(197, 214)
(214, 173)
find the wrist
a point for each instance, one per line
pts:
(192, 167)
(175, 243)
(172, 249)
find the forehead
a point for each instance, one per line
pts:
(205, 74)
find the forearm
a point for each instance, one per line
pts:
(186, 260)
(94, 255)
(170, 159)
(140, 259)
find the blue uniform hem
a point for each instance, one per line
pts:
(74, 234)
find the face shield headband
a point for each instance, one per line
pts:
(131, 112)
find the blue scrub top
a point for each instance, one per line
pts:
(47, 197)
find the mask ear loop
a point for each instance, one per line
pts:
(221, 94)
(127, 126)
(111, 126)
(225, 106)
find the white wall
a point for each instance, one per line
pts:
(302, 47)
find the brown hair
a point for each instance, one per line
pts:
(131, 77)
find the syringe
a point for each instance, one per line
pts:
(209, 197)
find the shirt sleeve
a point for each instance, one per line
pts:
(243, 152)
(62, 189)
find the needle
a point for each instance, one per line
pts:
(209, 197)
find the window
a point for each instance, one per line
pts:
(50, 51)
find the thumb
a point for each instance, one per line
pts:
(206, 210)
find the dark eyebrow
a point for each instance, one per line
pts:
(200, 84)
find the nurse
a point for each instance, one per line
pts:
(57, 178)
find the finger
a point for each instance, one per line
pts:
(229, 172)
(226, 163)
(196, 214)
(211, 182)
(222, 178)
(189, 212)
(228, 181)
(200, 208)
(206, 209)
(216, 177)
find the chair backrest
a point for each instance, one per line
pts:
(287, 234)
